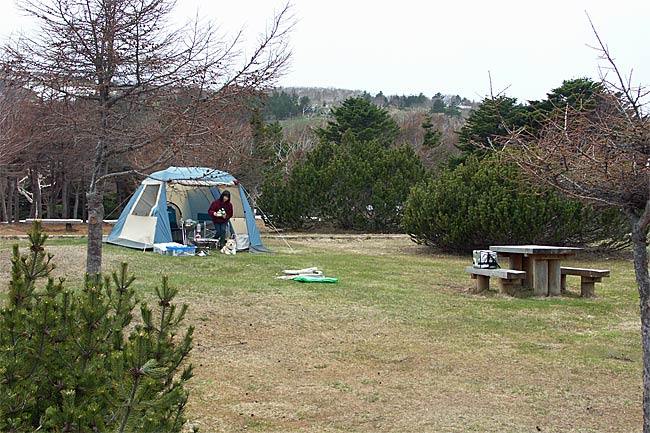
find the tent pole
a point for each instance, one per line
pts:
(273, 227)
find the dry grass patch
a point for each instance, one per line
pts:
(398, 345)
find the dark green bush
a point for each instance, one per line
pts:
(73, 361)
(357, 185)
(482, 203)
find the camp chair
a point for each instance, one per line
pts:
(173, 212)
(207, 227)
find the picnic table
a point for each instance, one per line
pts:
(542, 264)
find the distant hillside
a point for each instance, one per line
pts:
(322, 96)
(301, 110)
(325, 97)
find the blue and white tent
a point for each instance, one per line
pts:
(169, 198)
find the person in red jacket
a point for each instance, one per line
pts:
(221, 211)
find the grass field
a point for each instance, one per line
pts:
(400, 344)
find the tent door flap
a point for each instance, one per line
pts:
(140, 229)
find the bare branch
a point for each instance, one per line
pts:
(129, 92)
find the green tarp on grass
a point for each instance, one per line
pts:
(315, 279)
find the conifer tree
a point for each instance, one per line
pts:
(494, 118)
(363, 120)
(67, 364)
(483, 202)
(432, 137)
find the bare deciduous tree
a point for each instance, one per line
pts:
(139, 88)
(600, 153)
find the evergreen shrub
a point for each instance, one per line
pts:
(484, 202)
(79, 361)
(356, 185)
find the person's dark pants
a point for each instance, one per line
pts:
(220, 234)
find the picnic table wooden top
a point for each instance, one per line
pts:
(535, 249)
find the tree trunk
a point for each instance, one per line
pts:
(10, 200)
(17, 196)
(51, 203)
(639, 238)
(75, 209)
(37, 204)
(118, 197)
(3, 198)
(53, 194)
(95, 199)
(65, 200)
(95, 194)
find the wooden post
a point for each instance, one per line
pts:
(507, 286)
(3, 195)
(554, 278)
(482, 283)
(516, 262)
(528, 265)
(587, 286)
(540, 277)
(563, 283)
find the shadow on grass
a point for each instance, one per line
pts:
(526, 293)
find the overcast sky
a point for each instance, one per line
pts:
(409, 46)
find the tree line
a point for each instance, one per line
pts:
(287, 103)
(364, 171)
(361, 176)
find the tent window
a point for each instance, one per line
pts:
(147, 200)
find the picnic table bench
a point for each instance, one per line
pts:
(588, 279)
(507, 279)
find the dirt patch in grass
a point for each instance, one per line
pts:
(70, 259)
(72, 267)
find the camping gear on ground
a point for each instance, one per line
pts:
(484, 259)
(174, 249)
(305, 271)
(183, 250)
(314, 279)
(205, 244)
(188, 227)
(306, 275)
(162, 247)
(170, 204)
